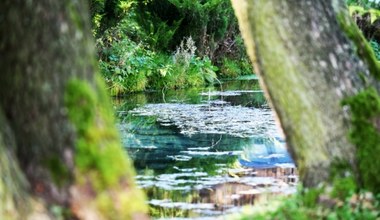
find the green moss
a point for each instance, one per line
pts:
(80, 100)
(99, 158)
(97, 146)
(14, 196)
(365, 110)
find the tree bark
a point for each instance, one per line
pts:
(309, 64)
(58, 141)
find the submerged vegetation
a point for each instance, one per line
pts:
(167, 44)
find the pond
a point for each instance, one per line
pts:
(202, 153)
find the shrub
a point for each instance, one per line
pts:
(124, 64)
(230, 68)
(197, 71)
(131, 67)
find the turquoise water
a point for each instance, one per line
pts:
(202, 153)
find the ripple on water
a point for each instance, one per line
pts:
(208, 158)
(213, 119)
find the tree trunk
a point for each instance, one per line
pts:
(311, 59)
(58, 142)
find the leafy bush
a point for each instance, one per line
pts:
(232, 68)
(131, 67)
(179, 42)
(123, 63)
(185, 69)
(199, 70)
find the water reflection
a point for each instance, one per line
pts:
(204, 152)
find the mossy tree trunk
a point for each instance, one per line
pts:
(60, 154)
(311, 59)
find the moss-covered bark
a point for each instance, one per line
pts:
(13, 187)
(309, 65)
(66, 145)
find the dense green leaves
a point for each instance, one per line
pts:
(131, 67)
(376, 48)
(140, 43)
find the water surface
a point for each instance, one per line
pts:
(205, 152)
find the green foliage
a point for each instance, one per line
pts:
(205, 68)
(131, 67)
(159, 32)
(232, 68)
(365, 110)
(162, 30)
(376, 48)
(358, 10)
(207, 18)
(185, 69)
(210, 23)
(316, 205)
(343, 187)
(205, 21)
(185, 62)
(125, 64)
(107, 13)
(365, 3)
(343, 179)
(96, 10)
